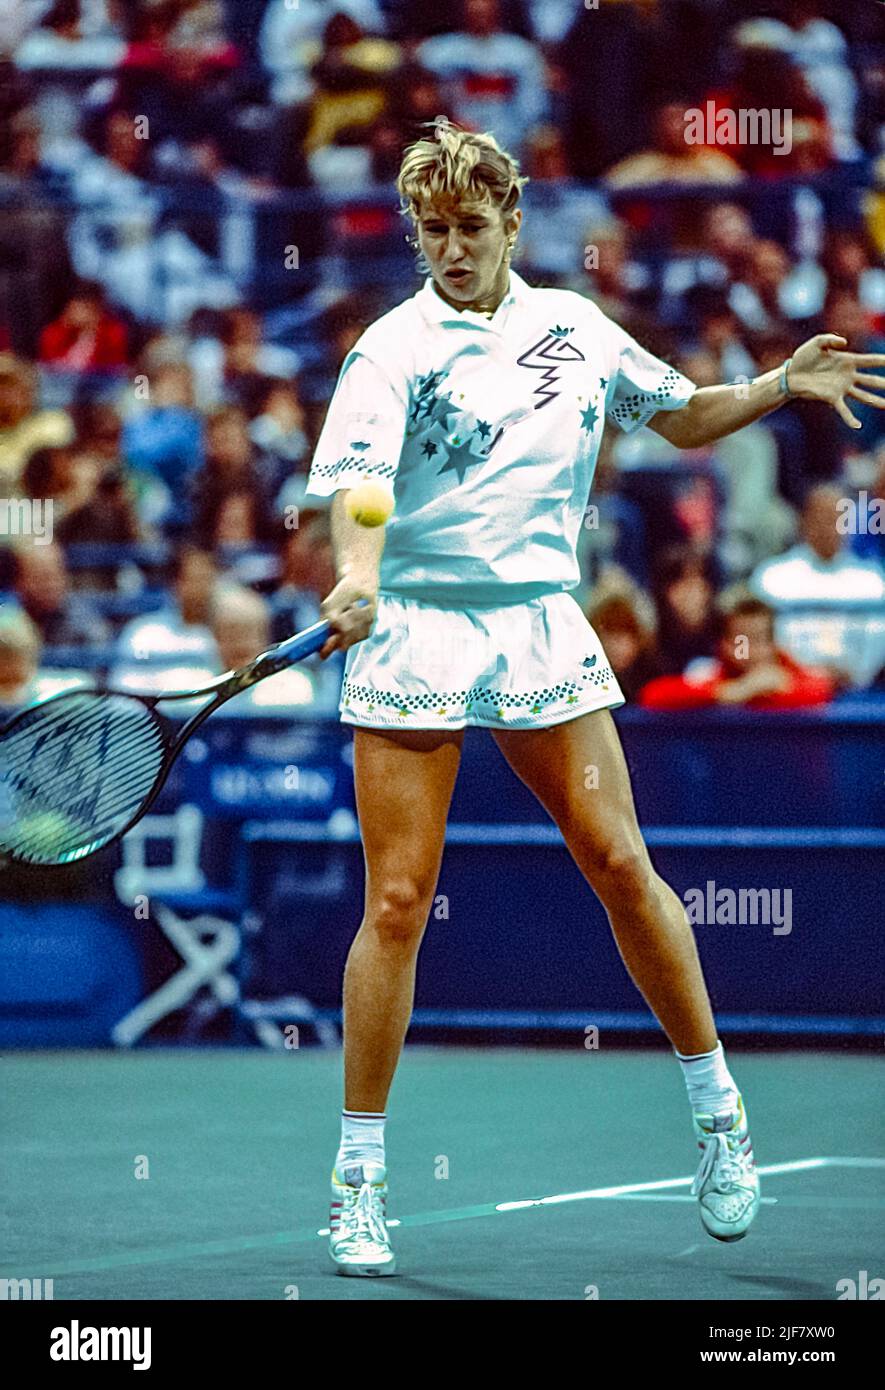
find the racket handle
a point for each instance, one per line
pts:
(295, 648)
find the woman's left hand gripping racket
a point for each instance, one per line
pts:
(79, 769)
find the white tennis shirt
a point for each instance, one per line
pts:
(487, 429)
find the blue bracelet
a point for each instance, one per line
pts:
(785, 385)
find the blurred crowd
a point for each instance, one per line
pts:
(197, 221)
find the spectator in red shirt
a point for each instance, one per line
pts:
(750, 669)
(85, 337)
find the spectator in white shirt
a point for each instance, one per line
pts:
(117, 238)
(495, 80)
(291, 40)
(59, 46)
(241, 624)
(60, 42)
(239, 621)
(820, 49)
(181, 629)
(830, 603)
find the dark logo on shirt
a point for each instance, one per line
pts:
(547, 357)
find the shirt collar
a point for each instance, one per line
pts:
(435, 309)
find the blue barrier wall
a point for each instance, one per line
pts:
(516, 932)
(68, 971)
(792, 803)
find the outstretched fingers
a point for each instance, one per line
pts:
(845, 414)
(867, 397)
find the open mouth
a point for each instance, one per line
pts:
(456, 276)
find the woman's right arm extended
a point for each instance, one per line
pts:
(357, 551)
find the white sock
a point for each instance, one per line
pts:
(362, 1138)
(710, 1085)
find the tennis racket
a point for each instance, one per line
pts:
(79, 769)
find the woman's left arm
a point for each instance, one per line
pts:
(818, 371)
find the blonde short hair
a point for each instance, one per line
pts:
(456, 166)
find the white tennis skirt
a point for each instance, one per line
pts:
(515, 666)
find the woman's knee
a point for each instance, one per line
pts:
(397, 910)
(619, 870)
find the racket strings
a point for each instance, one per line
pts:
(73, 773)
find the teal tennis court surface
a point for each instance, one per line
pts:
(515, 1175)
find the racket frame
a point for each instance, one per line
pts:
(223, 688)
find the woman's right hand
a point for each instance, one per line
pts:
(350, 608)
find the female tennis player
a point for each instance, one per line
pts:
(481, 402)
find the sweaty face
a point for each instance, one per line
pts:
(465, 246)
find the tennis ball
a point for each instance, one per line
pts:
(46, 831)
(369, 504)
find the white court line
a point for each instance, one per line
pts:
(853, 1162)
(679, 1197)
(626, 1189)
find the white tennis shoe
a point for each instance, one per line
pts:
(727, 1183)
(358, 1241)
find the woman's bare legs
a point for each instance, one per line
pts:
(599, 826)
(404, 782)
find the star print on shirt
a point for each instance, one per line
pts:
(432, 423)
(427, 384)
(441, 411)
(425, 397)
(431, 380)
(460, 458)
(589, 418)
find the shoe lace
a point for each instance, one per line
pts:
(719, 1156)
(365, 1216)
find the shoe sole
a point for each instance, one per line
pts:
(364, 1271)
